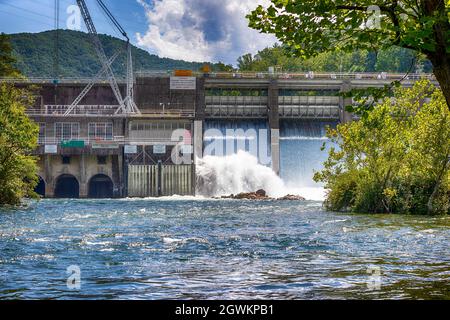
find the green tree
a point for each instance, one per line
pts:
(222, 67)
(309, 27)
(18, 136)
(396, 159)
(390, 60)
(6, 59)
(245, 63)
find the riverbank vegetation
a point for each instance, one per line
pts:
(18, 135)
(395, 159)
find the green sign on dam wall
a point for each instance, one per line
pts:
(73, 144)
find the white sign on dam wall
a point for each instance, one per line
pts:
(159, 149)
(183, 83)
(51, 149)
(130, 149)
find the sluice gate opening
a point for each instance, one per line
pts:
(101, 187)
(67, 186)
(40, 187)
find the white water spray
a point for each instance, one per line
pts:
(241, 172)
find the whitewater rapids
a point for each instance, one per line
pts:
(241, 172)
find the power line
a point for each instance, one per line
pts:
(25, 17)
(56, 62)
(26, 10)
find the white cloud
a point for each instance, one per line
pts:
(202, 30)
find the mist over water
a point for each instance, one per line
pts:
(234, 170)
(226, 138)
(240, 172)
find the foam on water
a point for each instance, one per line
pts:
(241, 172)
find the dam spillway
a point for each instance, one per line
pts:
(228, 137)
(141, 155)
(302, 153)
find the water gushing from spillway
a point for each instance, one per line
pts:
(241, 171)
(226, 138)
(236, 173)
(301, 154)
(301, 151)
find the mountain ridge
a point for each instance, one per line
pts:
(35, 54)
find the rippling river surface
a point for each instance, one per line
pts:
(205, 249)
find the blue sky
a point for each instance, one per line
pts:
(193, 30)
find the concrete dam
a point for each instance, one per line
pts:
(268, 128)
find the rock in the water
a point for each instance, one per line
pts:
(261, 195)
(258, 195)
(291, 197)
(252, 196)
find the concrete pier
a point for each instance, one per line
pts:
(274, 124)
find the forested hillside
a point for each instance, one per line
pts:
(393, 60)
(35, 55)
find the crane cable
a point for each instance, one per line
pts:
(113, 19)
(56, 56)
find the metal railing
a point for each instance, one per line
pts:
(236, 100)
(238, 111)
(310, 112)
(297, 75)
(237, 75)
(308, 100)
(106, 110)
(67, 80)
(85, 110)
(117, 140)
(168, 113)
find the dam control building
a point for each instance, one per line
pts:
(92, 151)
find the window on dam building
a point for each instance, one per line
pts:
(161, 131)
(65, 160)
(66, 131)
(100, 131)
(102, 159)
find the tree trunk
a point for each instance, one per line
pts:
(442, 73)
(437, 186)
(440, 58)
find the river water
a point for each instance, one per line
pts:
(219, 249)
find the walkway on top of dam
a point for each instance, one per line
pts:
(252, 78)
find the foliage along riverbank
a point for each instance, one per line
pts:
(396, 159)
(18, 135)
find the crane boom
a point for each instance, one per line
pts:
(126, 105)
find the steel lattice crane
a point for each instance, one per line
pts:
(127, 105)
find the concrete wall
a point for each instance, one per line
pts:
(82, 167)
(154, 94)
